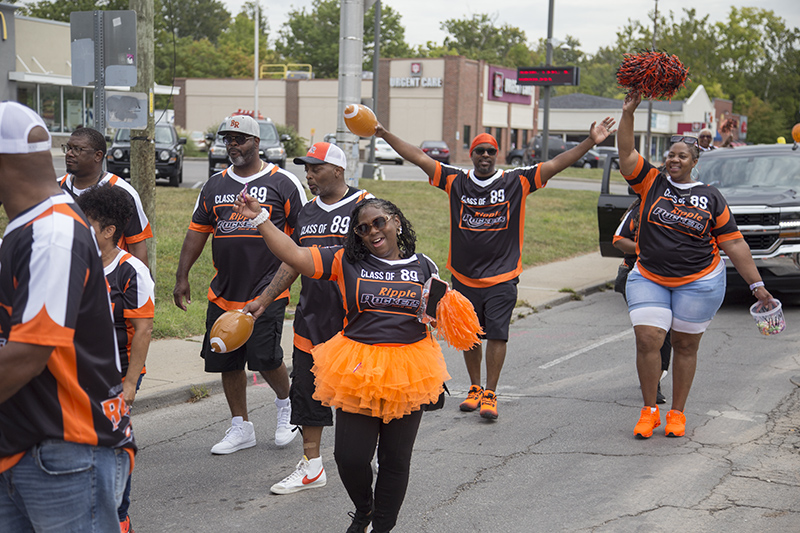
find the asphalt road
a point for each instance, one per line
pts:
(561, 457)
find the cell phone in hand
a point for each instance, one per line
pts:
(437, 292)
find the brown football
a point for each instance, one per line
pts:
(230, 331)
(360, 120)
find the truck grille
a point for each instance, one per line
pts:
(761, 241)
(757, 219)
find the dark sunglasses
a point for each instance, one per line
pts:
(238, 139)
(362, 230)
(683, 139)
(481, 151)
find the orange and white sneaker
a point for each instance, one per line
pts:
(676, 424)
(473, 400)
(125, 525)
(489, 405)
(648, 421)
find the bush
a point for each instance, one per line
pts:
(296, 146)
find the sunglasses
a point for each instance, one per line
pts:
(238, 139)
(683, 139)
(481, 151)
(362, 230)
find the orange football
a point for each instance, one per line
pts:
(360, 120)
(230, 331)
(796, 133)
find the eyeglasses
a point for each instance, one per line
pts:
(683, 139)
(362, 230)
(481, 151)
(238, 139)
(74, 149)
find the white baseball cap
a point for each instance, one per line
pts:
(16, 123)
(323, 153)
(241, 124)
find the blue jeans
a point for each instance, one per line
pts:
(64, 487)
(122, 512)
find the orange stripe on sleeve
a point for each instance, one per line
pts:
(41, 330)
(729, 237)
(201, 228)
(723, 218)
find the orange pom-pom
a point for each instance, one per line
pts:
(230, 331)
(796, 133)
(360, 120)
(456, 321)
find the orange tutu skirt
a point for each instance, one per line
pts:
(385, 382)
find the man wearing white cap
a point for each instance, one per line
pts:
(323, 221)
(245, 267)
(66, 443)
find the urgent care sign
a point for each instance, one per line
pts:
(503, 87)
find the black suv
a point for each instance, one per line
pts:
(271, 147)
(761, 185)
(531, 154)
(169, 154)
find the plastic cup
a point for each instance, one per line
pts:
(769, 317)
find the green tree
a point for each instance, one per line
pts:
(478, 37)
(60, 9)
(195, 19)
(393, 35)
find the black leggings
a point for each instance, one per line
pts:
(356, 437)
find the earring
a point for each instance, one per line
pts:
(400, 230)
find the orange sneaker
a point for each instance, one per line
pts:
(489, 405)
(648, 421)
(125, 525)
(473, 400)
(676, 424)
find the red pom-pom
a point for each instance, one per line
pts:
(652, 74)
(456, 321)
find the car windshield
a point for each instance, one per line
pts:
(434, 144)
(163, 135)
(268, 132)
(750, 171)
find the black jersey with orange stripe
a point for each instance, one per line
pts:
(131, 290)
(53, 293)
(487, 222)
(680, 227)
(381, 298)
(627, 230)
(320, 312)
(138, 228)
(244, 264)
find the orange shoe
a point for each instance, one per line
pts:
(648, 421)
(125, 525)
(473, 400)
(676, 424)
(489, 405)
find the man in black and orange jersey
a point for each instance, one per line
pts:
(84, 154)
(487, 224)
(66, 444)
(323, 221)
(245, 268)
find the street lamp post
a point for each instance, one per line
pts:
(548, 62)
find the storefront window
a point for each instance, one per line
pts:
(26, 94)
(73, 108)
(50, 110)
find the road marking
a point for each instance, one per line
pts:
(597, 344)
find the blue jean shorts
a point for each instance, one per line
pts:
(694, 303)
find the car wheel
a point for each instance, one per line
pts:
(516, 161)
(587, 165)
(174, 180)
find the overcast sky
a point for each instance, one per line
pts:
(593, 22)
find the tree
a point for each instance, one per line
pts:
(195, 19)
(479, 38)
(60, 9)
(393, 35)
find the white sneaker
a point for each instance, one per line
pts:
(300, 480)
(239, 436)
(285, 432)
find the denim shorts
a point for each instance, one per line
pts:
(64, 487)
(696, 302)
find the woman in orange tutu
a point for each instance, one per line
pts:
(384, 366)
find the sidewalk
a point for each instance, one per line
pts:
(174, 366)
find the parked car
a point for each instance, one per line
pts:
(531, 154)
(590, 159)
(385, 152)
(437, 150)
(169, 154)
(760, 184)
(270, 149)
(199, 140)
(605, 151)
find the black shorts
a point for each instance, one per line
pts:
(493, 305)
(262, 351)
(306, 411)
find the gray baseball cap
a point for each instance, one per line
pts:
(241, 124)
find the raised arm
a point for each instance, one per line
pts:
(597, 134)
(626, 144)
(407, 151)
(281, 245)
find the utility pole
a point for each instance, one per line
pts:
(370, 166)
(256, 73)
(143, 153)
(650, 101)
(547, 62)
(351, 47)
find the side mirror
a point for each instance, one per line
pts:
(285, 137)
(108, 138)
(181, 140)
